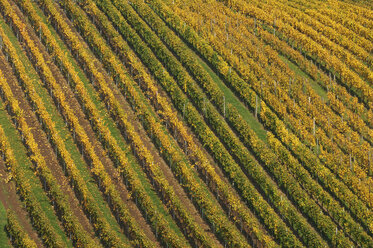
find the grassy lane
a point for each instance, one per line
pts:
(4, 241)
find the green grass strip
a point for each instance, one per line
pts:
(4, 241)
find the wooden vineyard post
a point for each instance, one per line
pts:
(254, 25)
(370, 163)
(314, 126)
(256, 106)
(224, 105)
(204, 105)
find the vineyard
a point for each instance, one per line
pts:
(171, 123)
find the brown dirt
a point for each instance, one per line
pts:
(10, 200)
(74, 104)
(44, 145)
